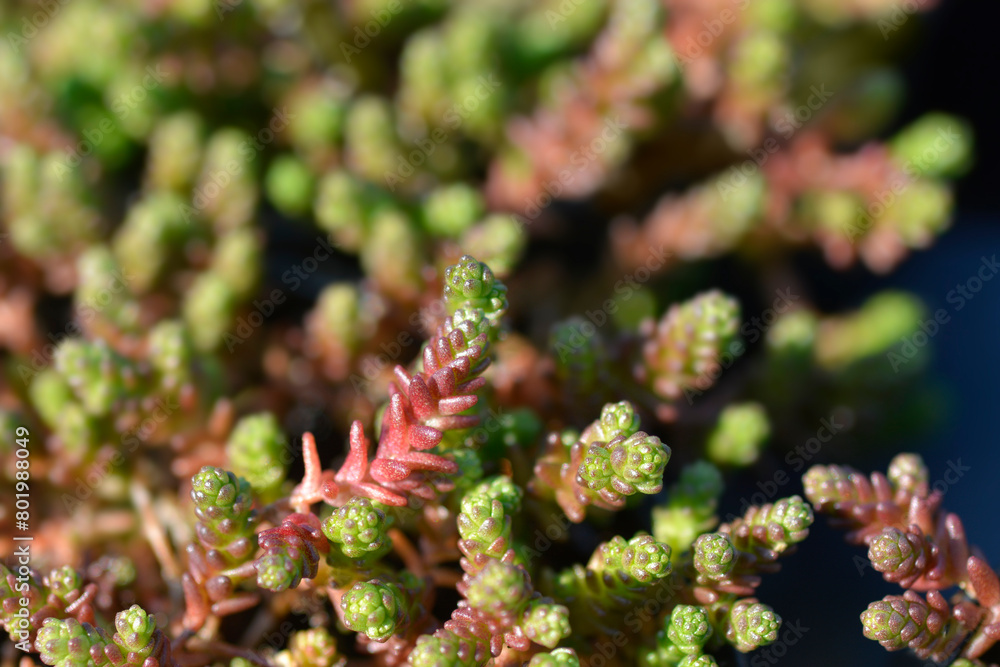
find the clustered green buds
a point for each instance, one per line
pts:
(714, 555)
(498, 240)
(338, 315)
(69, 643)
(498, 98)
(234, 252)
(375, 609)
(826, 486)
(483, 522)
(500, 588)
(775, 525)
(234, 205)
(314, 647)
(752, 625)
(175, 148)
(472, 322)
(134, 634)
(504, 489)
(688, 628)
(360, 528)
(739, 435)
(278, 571)
(370, 137)
(617, 420)
(640, 559)
(48, 212)
(470, 284)
(682, 639)
(626, 465)
(621, 460)
(257, 451)
(392, 255)
(560, 657)
(292, 552)
(899, 555)
(897, 622)
(223, 506)
(546, 624)
(683, 355)
(62, 581)
(446, 649)
(150, 238)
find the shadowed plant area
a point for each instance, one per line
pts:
(448, 333)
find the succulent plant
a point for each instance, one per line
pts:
(374, 609)
(359, 528)
(751, 625)
(440, 242)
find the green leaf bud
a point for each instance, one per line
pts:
(374, 608)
